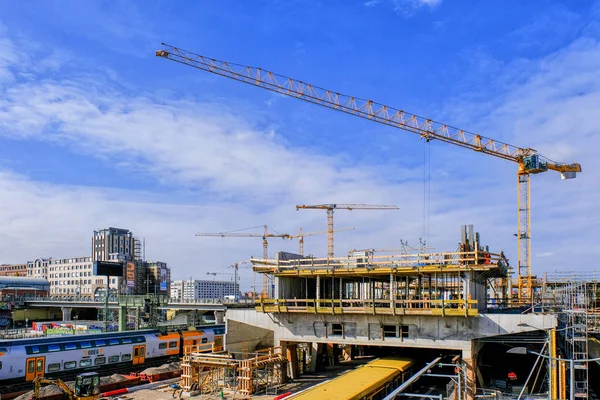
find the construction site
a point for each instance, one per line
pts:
(460, 324)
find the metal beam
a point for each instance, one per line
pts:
(411, 380)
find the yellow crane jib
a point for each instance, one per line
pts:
(528, 160)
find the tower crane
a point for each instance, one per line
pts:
(301, 236)
(331, 207)
(528, 160)
(264, 237)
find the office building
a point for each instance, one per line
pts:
(75, 277)
(113, 244)
(203, 289)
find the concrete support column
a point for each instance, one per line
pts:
(291, 353)
(66, 313)
(318, 291)
(392, 294)
(314, 355)
(470, 369)
(219, 317)
(347, 353)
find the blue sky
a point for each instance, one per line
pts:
(95, 131)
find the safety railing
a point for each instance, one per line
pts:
(440, 307)
(398, 261)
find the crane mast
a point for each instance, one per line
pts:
(528, 160)
(265, 242)
(331, 207)
(300, 236)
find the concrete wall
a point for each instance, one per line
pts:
(243, 338)
(423, 331)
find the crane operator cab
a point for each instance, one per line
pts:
(87, 385)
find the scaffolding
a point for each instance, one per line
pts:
(211, 373)
(372, 282)
(574, 297)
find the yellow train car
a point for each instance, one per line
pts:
(372, 381)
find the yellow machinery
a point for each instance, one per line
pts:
(87, 386)
(529, 161)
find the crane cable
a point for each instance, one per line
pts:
(426, 191)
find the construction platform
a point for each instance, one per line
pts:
(455, 302)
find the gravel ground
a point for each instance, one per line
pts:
(49, 390)
(304, 382)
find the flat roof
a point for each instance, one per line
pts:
(359, 382)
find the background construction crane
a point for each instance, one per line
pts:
(301, 236)
(265, 242)
(528, 160)
(331, 207)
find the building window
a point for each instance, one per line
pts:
(403, 331)
(337, 330)
(390, 331)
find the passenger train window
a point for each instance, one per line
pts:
(100, 343)
(126, 357)
(30, 366)
(53, 367)
(40, 365)
(127, 340)
(85, 345)
(0, 364)
(71, 365)
(70, 346)
(139, 339)
(85, 363)
(35, 349)
(113, 342)
(54, 347)
(113, 359)
(204, 340)
(162, 345)
(100, 360)
(172, 344)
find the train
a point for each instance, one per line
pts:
(372, 381)
(22, 360)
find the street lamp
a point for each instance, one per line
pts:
(525, 350)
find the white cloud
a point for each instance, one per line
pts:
(409, 7)
(251, 176)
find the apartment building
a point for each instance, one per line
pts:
(203, 289)
(13, 270)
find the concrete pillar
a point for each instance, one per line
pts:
(470, 369)
(291, 353)
(318, 294)
(219, 317)
(331, 354)
(314, 355)
(66, 313)
(122, 318)
(347, 353)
